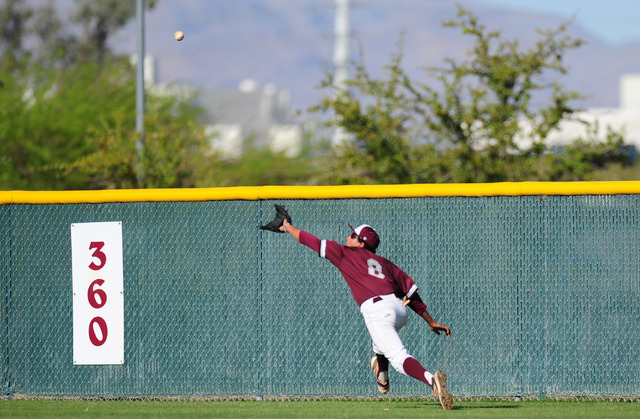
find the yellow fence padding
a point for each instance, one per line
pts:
(322, 192)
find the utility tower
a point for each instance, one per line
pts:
(340, 60)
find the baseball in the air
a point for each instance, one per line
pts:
(179, 35)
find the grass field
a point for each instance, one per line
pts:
(404, 409)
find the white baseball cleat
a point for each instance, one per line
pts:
(439, 390)
(383, 386)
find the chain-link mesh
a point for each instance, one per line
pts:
(541, 295)
(5, 293)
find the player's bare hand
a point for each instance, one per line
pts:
(405, 301)
(437, 328)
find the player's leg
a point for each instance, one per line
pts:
(440, 390)
(437, 381)
(380, 368)
(383, 320)
(414, 369)
(378, 314)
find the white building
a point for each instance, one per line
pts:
(234, 116)
(625, 119)
(250, 113)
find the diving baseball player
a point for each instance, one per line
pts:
(382, 290)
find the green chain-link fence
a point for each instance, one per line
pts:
(541, 293)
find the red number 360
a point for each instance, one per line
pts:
(96, 296)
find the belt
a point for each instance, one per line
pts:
(376, 299)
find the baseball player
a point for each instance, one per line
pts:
(382, 290)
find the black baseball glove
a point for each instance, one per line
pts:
(281, 215)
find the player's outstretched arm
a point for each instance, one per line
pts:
(288, 228)
(435, 326)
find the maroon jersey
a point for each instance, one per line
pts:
(367, 274)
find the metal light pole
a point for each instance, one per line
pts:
(340, 62)
(140, 92)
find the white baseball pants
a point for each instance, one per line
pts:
(384, 315)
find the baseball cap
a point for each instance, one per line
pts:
(367, 234)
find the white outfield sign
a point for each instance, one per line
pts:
(98, 300)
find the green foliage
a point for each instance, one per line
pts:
(587, 157)
(618, 172)
(383, 144)
(475, 123)
(45, 125)
(260, 166)
(67, 116)
(172, 153)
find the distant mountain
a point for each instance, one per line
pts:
(290, 43)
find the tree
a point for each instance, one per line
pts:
(101, 19)
(44, 125)
(175, 153)
(477, 125)
(385, 130)
(55, 45)
(14, 18)
(68, 123)
(79, 133)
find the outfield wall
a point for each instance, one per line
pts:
(539, 282)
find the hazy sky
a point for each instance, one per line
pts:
(616, 21)
(209, 56)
